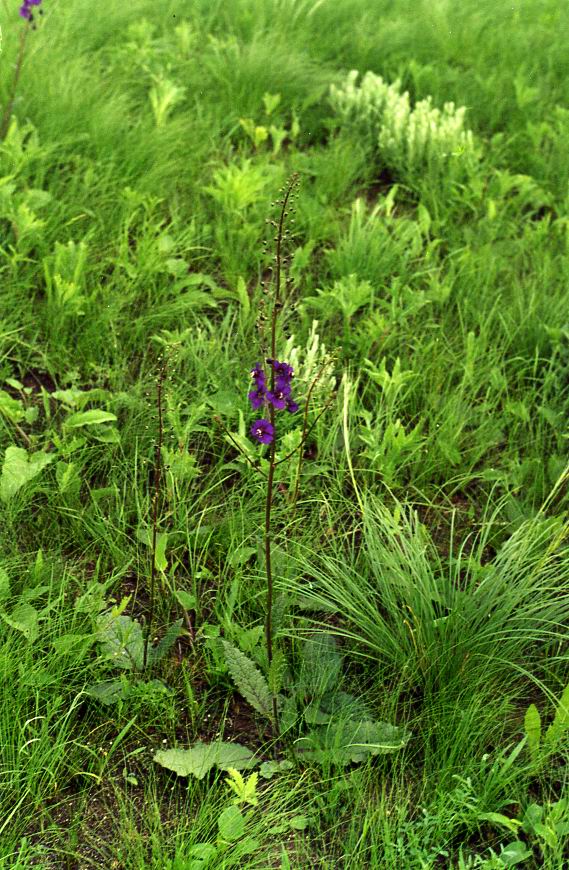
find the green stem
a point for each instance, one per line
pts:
(17, 70)
(155, 499)
(277, 305)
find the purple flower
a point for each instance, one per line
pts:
(25, 10)
(258, 375)
(262, 431)
(278, 398)
(257, 398)
(282, 369)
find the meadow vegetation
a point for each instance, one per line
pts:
(411, 709)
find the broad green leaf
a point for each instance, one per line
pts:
(234, 755)
(299, 823)
(241, 556)
(108, 435)
(249, 680)
(512, 825)
(186, 599)
(23, 618)
(19, 468)
(231, 824)
(268, 768)
(321, 664)
(160, 559)
(89, 418)
(203, 853)
(200, 758)
(197, 761)
(514, 853)
(109, 691)
(351, 741)
(73, 643)
(532, 727)
(93, 600)
(121, 640)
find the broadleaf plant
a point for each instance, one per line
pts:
(198, 760)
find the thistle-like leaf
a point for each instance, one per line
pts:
(249, 680)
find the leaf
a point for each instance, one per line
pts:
(234, 755)
(241, 556)
(72, 643)
(186, 599)
(200, 758)
(19, 468)
(299, 823)
(515, 853)
(560, 723)
(109, 691)
(351, 741)
(11, 408)
(24, 618)
(269, 768)
(67, 477)
(246, 790)
(93, 600)
(174, 631)
(249, 680)
(231, 824)
(204, 853)
(160, 559)
(89, 418)
(532, 727)
(498, 819)
(321, 664)
(121, 640)
(197, 761)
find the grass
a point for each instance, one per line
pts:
(147, 143)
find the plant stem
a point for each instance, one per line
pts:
(155, 499)
(17, 70)
(277, 305)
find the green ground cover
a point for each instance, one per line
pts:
(421, 578)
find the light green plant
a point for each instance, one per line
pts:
(410, 140)
(556, 731)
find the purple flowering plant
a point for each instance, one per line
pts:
(27, 12)
(271, 394)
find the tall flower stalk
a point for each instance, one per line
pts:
(157, 481)
(27, 13)
(276, 398)
(272, 391)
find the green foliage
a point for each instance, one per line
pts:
(351, 741)
(410, 140)
(202, 757)
(121, 644)
(245, 790)
(249, 680)
(19, 468)
(556, 731)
